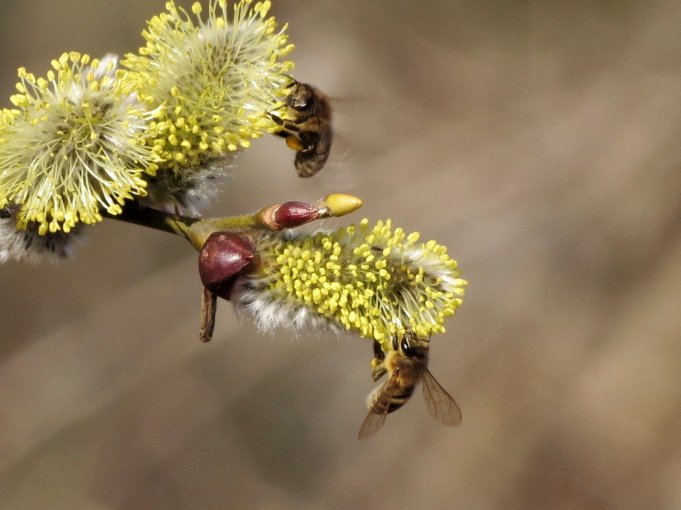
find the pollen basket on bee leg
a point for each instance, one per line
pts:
(294, 143)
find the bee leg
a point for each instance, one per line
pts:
(276, 118)
(378, 369)
(305, 143)
(293, 81)
(294, 143)
(283, 133)
(291, 140)
(378, 351)
(286, 124)
(302, 119)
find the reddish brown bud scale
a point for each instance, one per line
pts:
(223, 256)
(293, 214)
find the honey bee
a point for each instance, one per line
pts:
(407, 364)
(9, 211)
(309, 130)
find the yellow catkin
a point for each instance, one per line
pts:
(375, 280)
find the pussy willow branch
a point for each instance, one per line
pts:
(197, 230)
(153, 218)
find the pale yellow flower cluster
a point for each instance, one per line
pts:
(69, 149)
(92, 135)
(212, 82)
(375, 280)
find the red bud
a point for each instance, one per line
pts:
(293, 214)
(223, 256)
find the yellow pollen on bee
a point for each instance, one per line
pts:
(294, 143)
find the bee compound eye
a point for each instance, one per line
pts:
(303, 104)
(406, 348)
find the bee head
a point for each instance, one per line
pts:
(10, 211)
(302, 98)
(411, 346)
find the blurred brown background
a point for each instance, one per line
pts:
(538, 140)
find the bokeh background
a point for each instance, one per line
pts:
(539, 140)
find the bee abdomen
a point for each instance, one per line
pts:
(308, 166)
(311, 160)
(396, 401)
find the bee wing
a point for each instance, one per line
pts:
(375, 420)
(378, 351)
(440, 403)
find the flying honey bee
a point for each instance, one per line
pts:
(309, 130)
(407, 364)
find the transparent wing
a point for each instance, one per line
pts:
(440, 403)
(375, 420)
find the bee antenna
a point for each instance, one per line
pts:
(293, 80)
